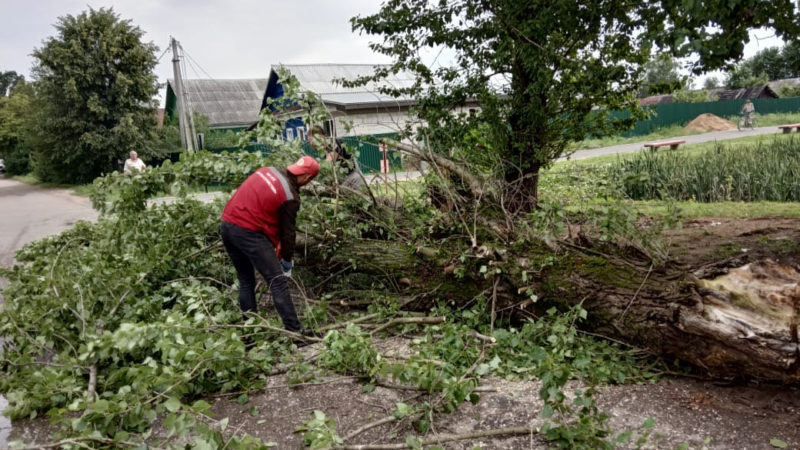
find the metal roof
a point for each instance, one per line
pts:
(226, 103)
(763, 91)
(321, 79)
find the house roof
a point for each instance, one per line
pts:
(657, 100)
(226, 103)
(763, 91)
(321, 79)
(776, 84)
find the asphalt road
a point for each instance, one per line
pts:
(693, 139)
(28, 213)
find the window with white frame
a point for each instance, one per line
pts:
(301, 133)
(289, 134)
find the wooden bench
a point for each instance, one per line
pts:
(788, 128)
(671, 144)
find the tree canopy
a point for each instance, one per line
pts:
(768, 64)
(547, 73)
(95, 85)
(662, 76)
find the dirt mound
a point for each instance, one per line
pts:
(709, 122)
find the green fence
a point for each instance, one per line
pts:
(683, 113)
(369, 155)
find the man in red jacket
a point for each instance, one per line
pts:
(258, 230)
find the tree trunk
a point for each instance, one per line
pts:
(730, 319)
(740, 321)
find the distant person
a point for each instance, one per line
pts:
(133, 164)
(319, 140)
(258, 231)
(747, 110)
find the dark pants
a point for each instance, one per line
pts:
(252, 250)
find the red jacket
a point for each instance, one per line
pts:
(257, 203)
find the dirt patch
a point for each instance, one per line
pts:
(709, 122)
(707, 240)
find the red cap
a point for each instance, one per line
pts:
(305, 165)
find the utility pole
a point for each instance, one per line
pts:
(186, 139)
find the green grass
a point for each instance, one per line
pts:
(721, 209)
(78, 189)
(583, 184)
(763, 171)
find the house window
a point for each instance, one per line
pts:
(289, 134)
(329, 128)
(301, 133)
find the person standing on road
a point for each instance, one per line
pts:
(133, 164)
(748, 109)
(319, 140)
(258, 231)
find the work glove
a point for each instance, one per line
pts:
(287, 267)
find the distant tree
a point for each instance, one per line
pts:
(766, 65)
(662, 76)
(791, 57)
(711, 83)
(689, 96)
(7, 82)
(547, 73)
(94, 103)
(744, 77)
(786, 91)
(15, 116)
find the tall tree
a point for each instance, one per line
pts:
(15, 116)
(662, 75)
(95, 86)
(541, 69)
(7, 82)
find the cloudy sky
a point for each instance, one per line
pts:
(227, 39)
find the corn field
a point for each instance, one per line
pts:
(768, 171)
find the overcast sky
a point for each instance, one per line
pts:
(228, 39)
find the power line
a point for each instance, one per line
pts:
(193, 61)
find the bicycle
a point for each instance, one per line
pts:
(753, 123)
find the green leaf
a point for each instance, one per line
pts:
(173, 404)
(242, 399)
(777, 443)
(649, 423)
(223, 424)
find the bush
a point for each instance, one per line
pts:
(18, 160)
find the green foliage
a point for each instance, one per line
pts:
(786, 91)
(689, 96)
(768, 64)
(540, 70)
(762, 171)
(8, 80)
(15, 116)
(745, 77)
(95, 85)
(350, 353)
(662, 76)
(319, 432)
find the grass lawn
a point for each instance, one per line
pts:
(582, 184)
(78, 189)
(721, 209)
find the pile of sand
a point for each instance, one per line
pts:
(709, 122)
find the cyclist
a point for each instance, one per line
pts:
(747, 110)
